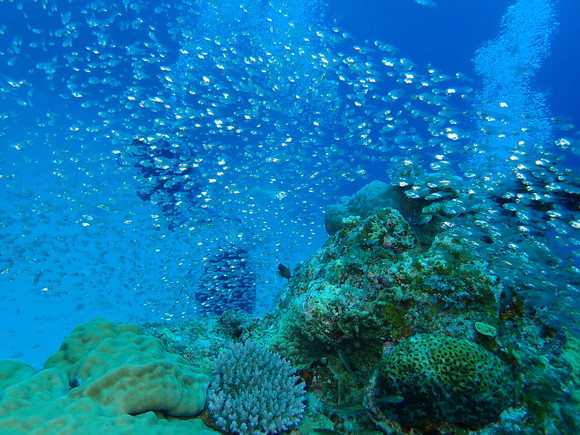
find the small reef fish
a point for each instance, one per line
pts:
(284, 271)
(346, 361)
(429, 3)
(391, 400)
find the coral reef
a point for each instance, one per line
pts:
(370, 284)
(254, 391)
(387, 334)
(370, 288)
(374, 196)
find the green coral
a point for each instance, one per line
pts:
(444, 379)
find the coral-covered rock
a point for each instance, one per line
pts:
(386, 228)
(372, 283)
(370, 287)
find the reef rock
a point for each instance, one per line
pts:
(372, 286)
(372, 197)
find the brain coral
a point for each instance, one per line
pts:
(436, 378)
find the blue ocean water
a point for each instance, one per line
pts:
(148, 148)
(450, 33)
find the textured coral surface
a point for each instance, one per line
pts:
(106, 378)
(254, 391)
(440, 378)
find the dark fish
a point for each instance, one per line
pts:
(394, 399)
(284, 271)
(37, 278)
(346, 361)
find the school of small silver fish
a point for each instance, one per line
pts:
(272, 113)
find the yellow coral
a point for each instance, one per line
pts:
(102, 374)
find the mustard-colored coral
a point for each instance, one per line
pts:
(129, 372)
(13, 371)
(106, 377)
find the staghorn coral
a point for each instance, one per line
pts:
(254, 391)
